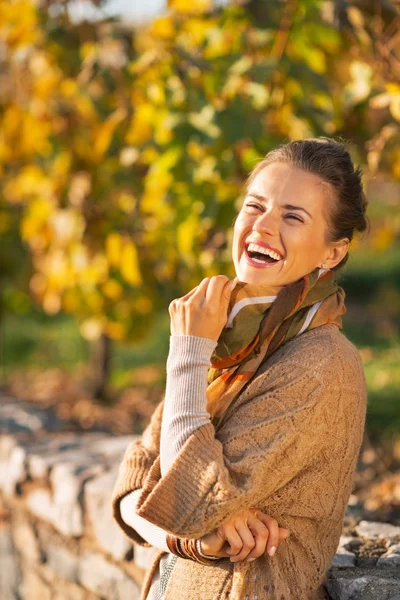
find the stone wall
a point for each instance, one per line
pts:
(58, 540)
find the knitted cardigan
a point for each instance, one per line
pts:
(287, 445)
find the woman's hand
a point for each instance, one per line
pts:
(245, 536)
(202, 311)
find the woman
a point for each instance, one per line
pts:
(271, 432)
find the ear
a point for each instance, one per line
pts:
(338, 251)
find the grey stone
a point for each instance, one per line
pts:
(34, 587)
(81, 450)
(113, 447)
(144, 557)
(371, 529)
(344, 540)
(364, 587)
(72, 448)
(367, 562)
(19, 417)
(344, 559)
(26, 542)
(105, 579)
(97, 500)
(12, 464)
(40, 504)
(393, 548)
(67, 482)
(389, 562)
(10, 569)
(62, 562)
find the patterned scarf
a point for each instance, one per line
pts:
(260, 322)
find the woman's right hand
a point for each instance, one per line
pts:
(245, 536)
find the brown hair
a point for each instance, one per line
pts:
(331, 161)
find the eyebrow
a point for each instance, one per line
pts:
(287, 206)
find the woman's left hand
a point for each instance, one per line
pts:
(246, 535)
(203, 311)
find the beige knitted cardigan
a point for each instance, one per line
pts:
(288, 445)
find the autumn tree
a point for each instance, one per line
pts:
(123, 152)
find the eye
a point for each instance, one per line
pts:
(253, 205)
(295, 217)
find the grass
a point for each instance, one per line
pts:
(36, 340)
(380, 353)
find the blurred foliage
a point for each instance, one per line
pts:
(123, 150)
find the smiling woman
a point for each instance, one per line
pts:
(264, 409)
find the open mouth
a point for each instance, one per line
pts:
(260, 256)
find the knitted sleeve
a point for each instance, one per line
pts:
(279, 428)
(185, 395)
(187, 365)
(134, 468)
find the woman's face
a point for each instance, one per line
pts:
(284, 211)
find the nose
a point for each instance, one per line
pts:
(266, 223)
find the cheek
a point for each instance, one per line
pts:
(307, 240)
(239, 229)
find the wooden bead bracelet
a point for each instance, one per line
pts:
(189, 549)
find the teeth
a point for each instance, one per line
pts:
(256, 248)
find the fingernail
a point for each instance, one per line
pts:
(250, 559)
(272, 551)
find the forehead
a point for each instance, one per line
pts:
(283, 182)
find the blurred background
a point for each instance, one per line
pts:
(126, 132)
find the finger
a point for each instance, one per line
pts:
(283, 533)
(190, 294)
(216, 288)
(260, 534)
(199, 288)
(199, 293)
(233, 539)
(247, 540)
(273, 528)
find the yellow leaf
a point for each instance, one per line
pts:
(258, 93)
(383, 238)
(186, 234)
(203, 121)
(143, 305)
(36, 216)
(105, 132)
(130, 270)
(163, 27)
(95, 272)
(141, 127)
(112, 289)
(114, 249)
(395, 107)
(206, 171)
(116, 331)
(190, 6)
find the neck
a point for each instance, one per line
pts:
(255, 289)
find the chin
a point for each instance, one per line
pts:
(254, 278)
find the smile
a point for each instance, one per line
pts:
(260, 257)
